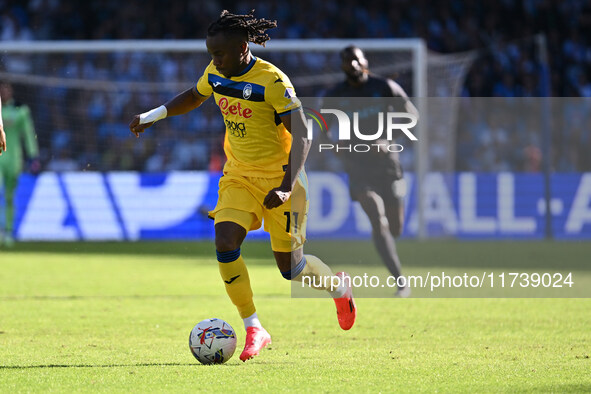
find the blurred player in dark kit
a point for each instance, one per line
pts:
(375, 177)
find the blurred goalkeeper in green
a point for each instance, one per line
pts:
(17, 133)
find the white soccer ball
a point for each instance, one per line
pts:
(212, 341)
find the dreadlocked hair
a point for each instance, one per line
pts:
(249, 26)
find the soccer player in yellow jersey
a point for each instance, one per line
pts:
(265, 144)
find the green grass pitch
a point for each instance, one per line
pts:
(116, 317)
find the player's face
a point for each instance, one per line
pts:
(354, 64)
(228, 53)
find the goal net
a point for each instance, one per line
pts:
(82, 96)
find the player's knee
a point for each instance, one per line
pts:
(228, 236)
(226, 243)
(283, 261)
(290, 264)
(293, 271)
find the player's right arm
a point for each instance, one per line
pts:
(179, 105)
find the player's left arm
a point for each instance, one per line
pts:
(295, 123)
(281, 95)
(395, 90)
(398, 91)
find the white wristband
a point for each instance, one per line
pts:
(153, 115)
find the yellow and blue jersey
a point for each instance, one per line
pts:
(252, 103)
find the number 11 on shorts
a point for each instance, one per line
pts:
(288, 221)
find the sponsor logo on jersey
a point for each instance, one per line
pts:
(235, 109)
(236, 129)
(247, 91)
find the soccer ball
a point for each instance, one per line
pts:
(212, 341)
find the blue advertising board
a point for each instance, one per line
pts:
(173, 206)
